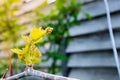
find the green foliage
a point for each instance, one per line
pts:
(30, 54)
(3, 66)
(63, 15)
(88, 16)
(9, 28)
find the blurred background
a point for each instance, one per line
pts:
(80, 45)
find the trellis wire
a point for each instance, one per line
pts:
(112, 37)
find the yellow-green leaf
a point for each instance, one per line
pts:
(25, 38)
(17, 51)
(30, 54)
(37, 34)
(21, 58)
(26, 49)
(35, 51)
(37, 41)
(36, 60)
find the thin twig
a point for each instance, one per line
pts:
(5, 74)
(10, 62)
(39, 74)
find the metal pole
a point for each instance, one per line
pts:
(112, 37)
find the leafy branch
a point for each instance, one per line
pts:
(30, 55)
(63, 15)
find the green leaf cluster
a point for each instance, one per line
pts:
(62, 16)
(30, 54)
(9, 28)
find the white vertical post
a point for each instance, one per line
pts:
(112, 37)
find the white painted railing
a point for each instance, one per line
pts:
(112, 37)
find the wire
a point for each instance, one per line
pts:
(112, 37)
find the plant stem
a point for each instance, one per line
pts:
(54, 66)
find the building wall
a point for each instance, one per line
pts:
(90, 51)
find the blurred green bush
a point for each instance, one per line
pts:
(63, 15)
